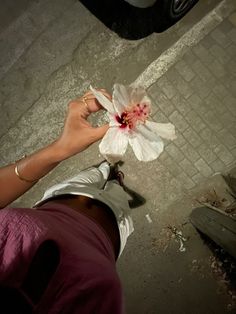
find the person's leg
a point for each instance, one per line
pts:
(96, 176)
(119, 203)
(93, 178)
(96, 183)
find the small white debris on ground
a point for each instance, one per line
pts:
(149, 219)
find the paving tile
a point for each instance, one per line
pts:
(232, 129)
(227, 138)
(233, 152)
(217, 68)
(174, 152)
(181, 104)
(227, 119)
(180, 140)
(203, 168)
(195, 121)
(186, 181)
(189, 57)
(167, 87)
(209, 138)
(231, 50)
(220, 37)
(231, 82)
(190, 153)
(164, 104)
(218, 52)
(203, 54)
(183, 88)
(200, 88)
(230, 69)
(163, 156)
(185, 70)
(212, 120)
(160, 117)
(232, 19)
(192, 137)
(232, 35)
(198, 104)
(155, 92)
(172, 166)
(201, 70)
(172, 74)
(224, 154)
(178, 120)
(197, 178)
(206, 153)
(215, 104)
(226, 26)
(194, 100)
(188, 167)
(217, 165)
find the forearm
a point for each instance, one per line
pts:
(76, 136)
(32, 168)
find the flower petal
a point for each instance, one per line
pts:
(147, 133)
(113, 121)
(103, 100)
(114, 144)
(146, 100)
(165, 130)
(144, 149)
(121, 98)
(137, 94)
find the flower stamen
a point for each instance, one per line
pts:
(133, 115)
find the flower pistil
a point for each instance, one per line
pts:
(133, 114)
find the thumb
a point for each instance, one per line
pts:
(99, 132)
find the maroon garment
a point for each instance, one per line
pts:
(85, 280)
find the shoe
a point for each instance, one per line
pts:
(105, 169)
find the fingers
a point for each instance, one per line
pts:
(99, 132)
(88, 103)
(105, 93)
(91, 101)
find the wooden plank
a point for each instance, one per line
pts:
(218, 226)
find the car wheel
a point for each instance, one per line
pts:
(174, 10)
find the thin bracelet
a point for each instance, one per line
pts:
(20, 177)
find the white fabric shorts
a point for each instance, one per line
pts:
(92, 182)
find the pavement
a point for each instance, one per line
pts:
(50, 53)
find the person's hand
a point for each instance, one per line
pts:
(78, 133)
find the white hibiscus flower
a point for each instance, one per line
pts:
(128, 113)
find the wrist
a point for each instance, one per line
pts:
(55, 152)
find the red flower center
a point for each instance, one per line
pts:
(132, 115)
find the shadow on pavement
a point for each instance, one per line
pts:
(136, 199)
(127, 21)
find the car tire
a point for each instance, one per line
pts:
(173, 10)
